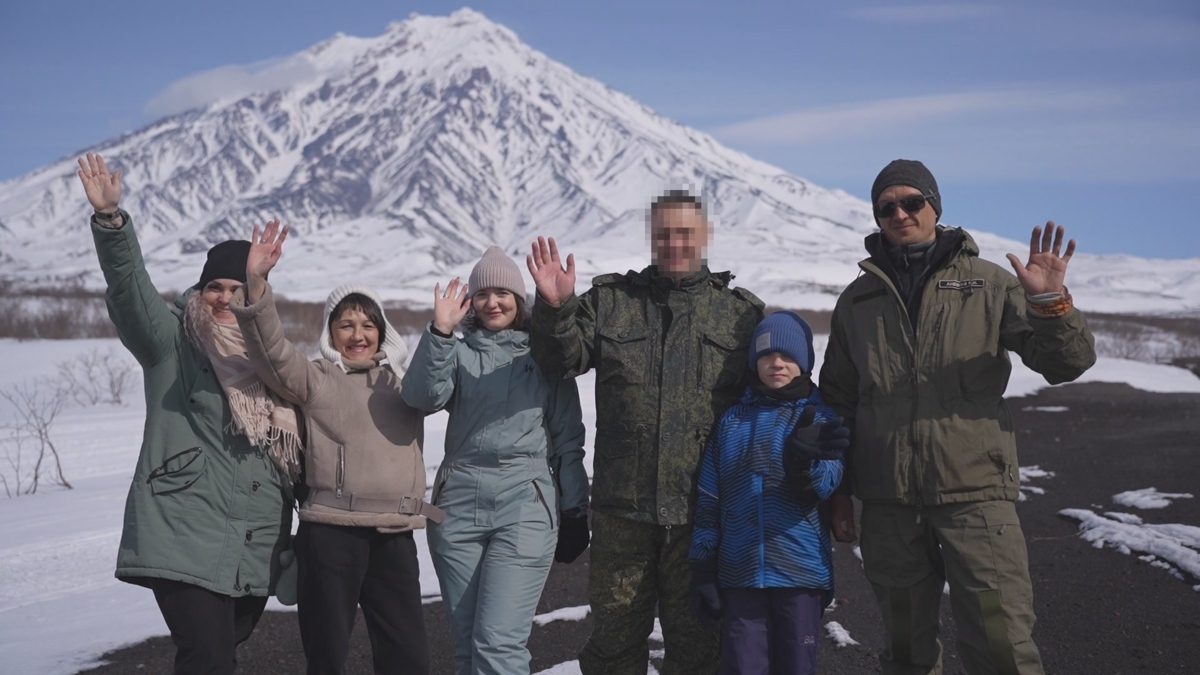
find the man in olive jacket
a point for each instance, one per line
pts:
(918, 363)
(669, 347)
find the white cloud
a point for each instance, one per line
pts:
(889, 115)
(1116, 134)
(930, 13)
(230, 83)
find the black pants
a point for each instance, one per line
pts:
(206, 627)
(343, 567)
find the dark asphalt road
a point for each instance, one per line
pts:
(1099, 612)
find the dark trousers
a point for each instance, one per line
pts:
(206, 627)
(770, 631)
(343, 567)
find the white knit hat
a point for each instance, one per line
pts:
(496, 270)
(393, 347)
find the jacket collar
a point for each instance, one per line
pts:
(483, 339)
(952, 242)
(649, 276)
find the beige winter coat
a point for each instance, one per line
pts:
(362, 457)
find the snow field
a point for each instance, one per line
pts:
(60, 607)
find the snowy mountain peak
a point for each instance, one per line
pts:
(397, 159)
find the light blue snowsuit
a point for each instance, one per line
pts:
(514, 461)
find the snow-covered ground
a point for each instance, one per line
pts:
(60, 607)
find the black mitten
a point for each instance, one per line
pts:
(807, 444)
(573, 538)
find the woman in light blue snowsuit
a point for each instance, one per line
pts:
(512, 483)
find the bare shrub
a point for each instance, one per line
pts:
(29, 449)
(96, 376)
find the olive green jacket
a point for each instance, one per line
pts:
(930, 425)
(670, 358)
(205, 507)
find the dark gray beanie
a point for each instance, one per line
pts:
(226, 260)
(907, 172)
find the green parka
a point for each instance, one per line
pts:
(670, 358)
(930, 425)
(205, 507)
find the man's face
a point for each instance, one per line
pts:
(903, 228)
(679, 239)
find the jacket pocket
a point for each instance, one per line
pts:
(625, 356)
(614, 482)
(722, 361)
(177, 472)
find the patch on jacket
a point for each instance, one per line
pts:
(960, 284)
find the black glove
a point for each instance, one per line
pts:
(573, 538)
(807, 443)
(706, 597)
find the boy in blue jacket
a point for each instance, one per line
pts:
(761, 550)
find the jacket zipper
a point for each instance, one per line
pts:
(341, 469)
(542, 499)
(762, 535)
(914, 349)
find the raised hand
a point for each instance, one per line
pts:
(103, 189)
(450, 307)
(554, 283)
(265, 250)
(1045, 270)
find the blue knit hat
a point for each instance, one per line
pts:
(787, 333)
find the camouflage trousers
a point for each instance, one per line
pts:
(635, 566)
(909, 554)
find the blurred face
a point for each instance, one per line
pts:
(776, 369)
(354, 335)
(903, 228)
(679, 238)
(216, 295)
(496, 308)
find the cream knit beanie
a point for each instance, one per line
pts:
(496, 270)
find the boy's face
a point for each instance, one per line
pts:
(777, 370)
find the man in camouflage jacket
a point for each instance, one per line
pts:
(669, 348)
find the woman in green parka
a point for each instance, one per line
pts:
(512, 483)
(208, 512)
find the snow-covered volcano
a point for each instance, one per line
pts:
(397, 159)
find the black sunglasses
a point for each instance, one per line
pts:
(911, 205)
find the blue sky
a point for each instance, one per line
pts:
(1081, 112)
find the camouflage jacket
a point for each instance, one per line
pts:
(670, 358)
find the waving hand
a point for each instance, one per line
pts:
(1045, 270)
(265, 251)
(554, 282)
(103, 189)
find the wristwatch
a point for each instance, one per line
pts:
(107, 219)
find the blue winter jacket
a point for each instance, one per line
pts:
(746, 514)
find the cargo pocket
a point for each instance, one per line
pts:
(177, 472)
(614, 481)
(624, 355)
(722, 361)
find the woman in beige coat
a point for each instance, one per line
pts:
(363, 472)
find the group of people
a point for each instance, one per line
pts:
(722, 471)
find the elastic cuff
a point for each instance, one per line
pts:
(433, 329)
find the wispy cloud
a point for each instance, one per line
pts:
(1124, 134)
(929, 13)
(230, 82)
(894, 114)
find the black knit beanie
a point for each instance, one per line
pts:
(907, 172)
(226, 260)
